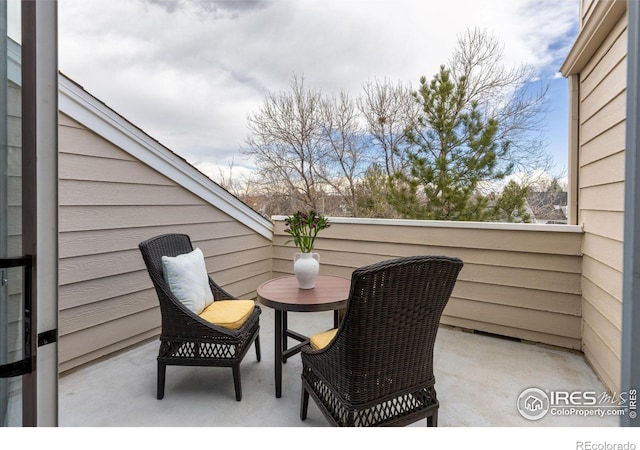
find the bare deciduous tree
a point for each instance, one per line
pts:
(238, 185)
(309, 148)
(509, 95)
(344, 156)
(388, 110)
(286, 144)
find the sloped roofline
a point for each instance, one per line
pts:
(77, 103)
(604, 17)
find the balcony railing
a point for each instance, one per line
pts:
(519, 280)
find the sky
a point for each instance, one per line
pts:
(189, 72)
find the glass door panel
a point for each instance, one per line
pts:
(12, 270)
(12, 351)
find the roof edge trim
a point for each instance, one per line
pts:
(603, 18)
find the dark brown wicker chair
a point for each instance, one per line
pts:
(185, 338)
(378, 369)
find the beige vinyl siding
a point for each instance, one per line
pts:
(602, 97)
(518, 281)
(14, 170)
(14, 223)
(109, 203)
(586, 8)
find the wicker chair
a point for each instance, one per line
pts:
(185, 338)
(378, 368)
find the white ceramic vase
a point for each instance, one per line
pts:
(306, 267)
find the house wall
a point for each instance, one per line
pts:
(602, 113)
(586, 9)
(596, 67)
(519, 280)
(109, 202)
(13, 307)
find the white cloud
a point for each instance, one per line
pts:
(189, 72)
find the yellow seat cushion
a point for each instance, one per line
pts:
(321, 340)
(230, 314)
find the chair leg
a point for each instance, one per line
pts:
(304, 403)
(432, 421)
(236, 382)
(162, 371)
(257, 345)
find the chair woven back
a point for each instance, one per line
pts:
(152, 251)
(378, 370)
(389, 330)
(165, 245)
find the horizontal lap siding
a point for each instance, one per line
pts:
(519, 283)
(586, 8)
(109, 203)
(11, 313)
(601, 202)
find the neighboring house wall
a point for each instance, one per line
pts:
(597, 69)
(13, 307)
(519, 280)
(109, 202)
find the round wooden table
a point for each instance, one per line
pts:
(283, 295)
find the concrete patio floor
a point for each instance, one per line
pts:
(478, 381)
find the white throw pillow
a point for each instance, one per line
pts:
(188, 280)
